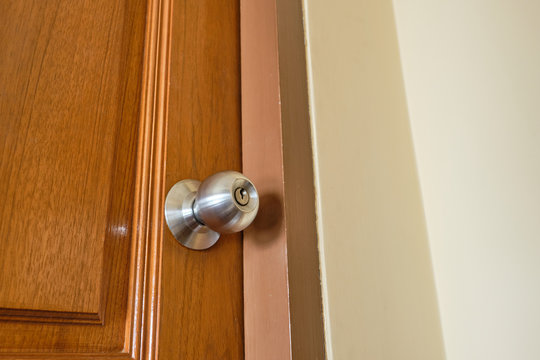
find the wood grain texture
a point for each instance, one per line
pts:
(201, 314)
(58, 131)
(266, 299)
(70, 99)
(307, 327)
(81, 146)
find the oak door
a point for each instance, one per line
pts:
(104, 105)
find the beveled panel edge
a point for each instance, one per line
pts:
(46, 316)
(70, 356)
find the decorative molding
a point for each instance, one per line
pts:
(150, 186)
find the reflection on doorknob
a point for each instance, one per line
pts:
(197, 213)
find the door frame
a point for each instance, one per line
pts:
(282, 292)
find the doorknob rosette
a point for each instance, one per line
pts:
(197, 213)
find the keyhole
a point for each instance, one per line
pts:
(241, 196)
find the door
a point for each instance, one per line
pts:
(104, 105)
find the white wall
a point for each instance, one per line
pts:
(472, 76)
(380, 301)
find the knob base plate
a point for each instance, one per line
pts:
(181, 221)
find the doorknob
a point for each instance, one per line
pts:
(198, 213)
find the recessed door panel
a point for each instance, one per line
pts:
(70, 86)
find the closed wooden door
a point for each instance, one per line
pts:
(104, 105)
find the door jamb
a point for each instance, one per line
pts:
(282, 293)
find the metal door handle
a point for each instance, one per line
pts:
(197, 213)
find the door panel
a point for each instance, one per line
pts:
(83, 140)
(202, 290)
(70, 75)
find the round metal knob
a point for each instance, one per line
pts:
(197, 213)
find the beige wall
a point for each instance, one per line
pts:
(472, 75)
(380, 296)
(472, 101)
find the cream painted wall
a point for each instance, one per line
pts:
(472, 79)
(472, 75)
(380, 301)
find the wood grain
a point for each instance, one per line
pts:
(201, 313)
(70, 104)
(58, 131)
(80, 172)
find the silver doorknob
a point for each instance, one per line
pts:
(197, 213)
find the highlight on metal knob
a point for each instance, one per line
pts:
(197, 213)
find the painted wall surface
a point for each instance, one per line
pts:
(472, 76)
(380, 296)
(471, 97)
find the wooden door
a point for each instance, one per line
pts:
(104, 105)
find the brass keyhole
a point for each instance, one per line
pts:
(241, 196)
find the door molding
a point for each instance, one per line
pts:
(150, 185)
